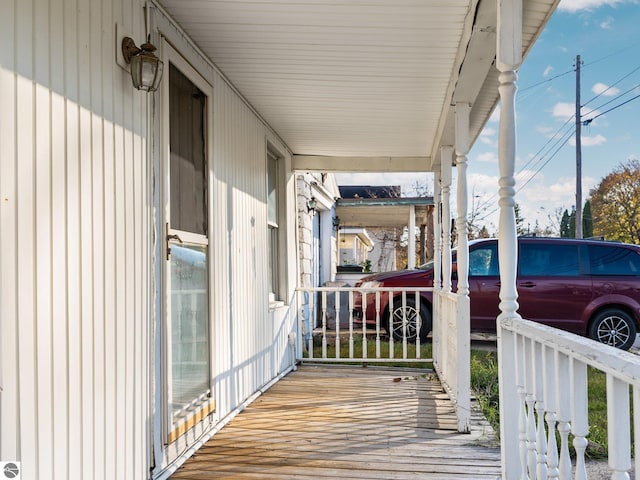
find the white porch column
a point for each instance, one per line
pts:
(463, 331)
(509, 57)
(462, 148)
(446, 153)
(411, 242)
(437, 265)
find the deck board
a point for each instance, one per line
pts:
(348, 423)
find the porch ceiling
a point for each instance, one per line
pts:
(364, 78)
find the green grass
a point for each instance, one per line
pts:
(425, 352)
(484, 383)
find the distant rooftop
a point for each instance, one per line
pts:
(370, 191)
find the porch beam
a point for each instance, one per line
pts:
(320, 163)
(508, 60)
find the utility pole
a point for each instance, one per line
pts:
(578, 154)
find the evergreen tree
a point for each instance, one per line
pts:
(564, 225)
(587, 220)
(520, 228)
(572, 224)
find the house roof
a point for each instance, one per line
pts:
(383, 212)
(359, 85)
(370, 191)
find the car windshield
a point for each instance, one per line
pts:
(429, 265)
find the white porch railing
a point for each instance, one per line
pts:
(543, 393)
(452, 357)
(328, 330)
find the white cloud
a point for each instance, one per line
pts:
(537, 200)
(594, 141)
(488, 157)
(563, 110)
(547, 71)
(573, 6)
(606, 23)
(604, 90)
(488, 136)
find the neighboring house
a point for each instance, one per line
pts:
(388, 217)
(317, 231)
(148, 255)
(355, 246)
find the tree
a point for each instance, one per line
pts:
(565, 229)
(587, 220)
(615, 204)
(520, 228)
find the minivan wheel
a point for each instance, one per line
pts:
(403, 320)
(613, 327)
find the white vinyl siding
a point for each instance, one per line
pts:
(75, 249)
(79, 279)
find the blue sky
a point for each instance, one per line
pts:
(606, 34)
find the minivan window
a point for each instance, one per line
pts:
(611, 260)
(483, 261)
(546, 259)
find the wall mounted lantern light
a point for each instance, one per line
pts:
(312, 203)
(146, 68)
(336, 222)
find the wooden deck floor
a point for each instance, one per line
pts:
(348, 423)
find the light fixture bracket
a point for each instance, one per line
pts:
(129, 49)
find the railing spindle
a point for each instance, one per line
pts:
(563, 375)
(636, 423)
(550, 386)
(618, 427)
(377, 324)
(351, 322)
(390, 326)
(541, 434)
(404, 324)
(324, 324)
(418, 304)
(364, 325)
(579, 417)
(337, 327)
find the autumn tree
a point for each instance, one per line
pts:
(615, 204)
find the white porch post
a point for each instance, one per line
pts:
(437, 266)
(445, 156)
(509, 57)
(463, 321)
(411, 242)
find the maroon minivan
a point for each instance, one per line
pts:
(588, 287)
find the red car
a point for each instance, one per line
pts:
(588, 287)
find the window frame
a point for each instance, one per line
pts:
(276, 227)
(203, 405)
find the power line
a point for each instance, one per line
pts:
(587, 122)
(612, 86)
(568, 137)
(564, 138)
(612, 100)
